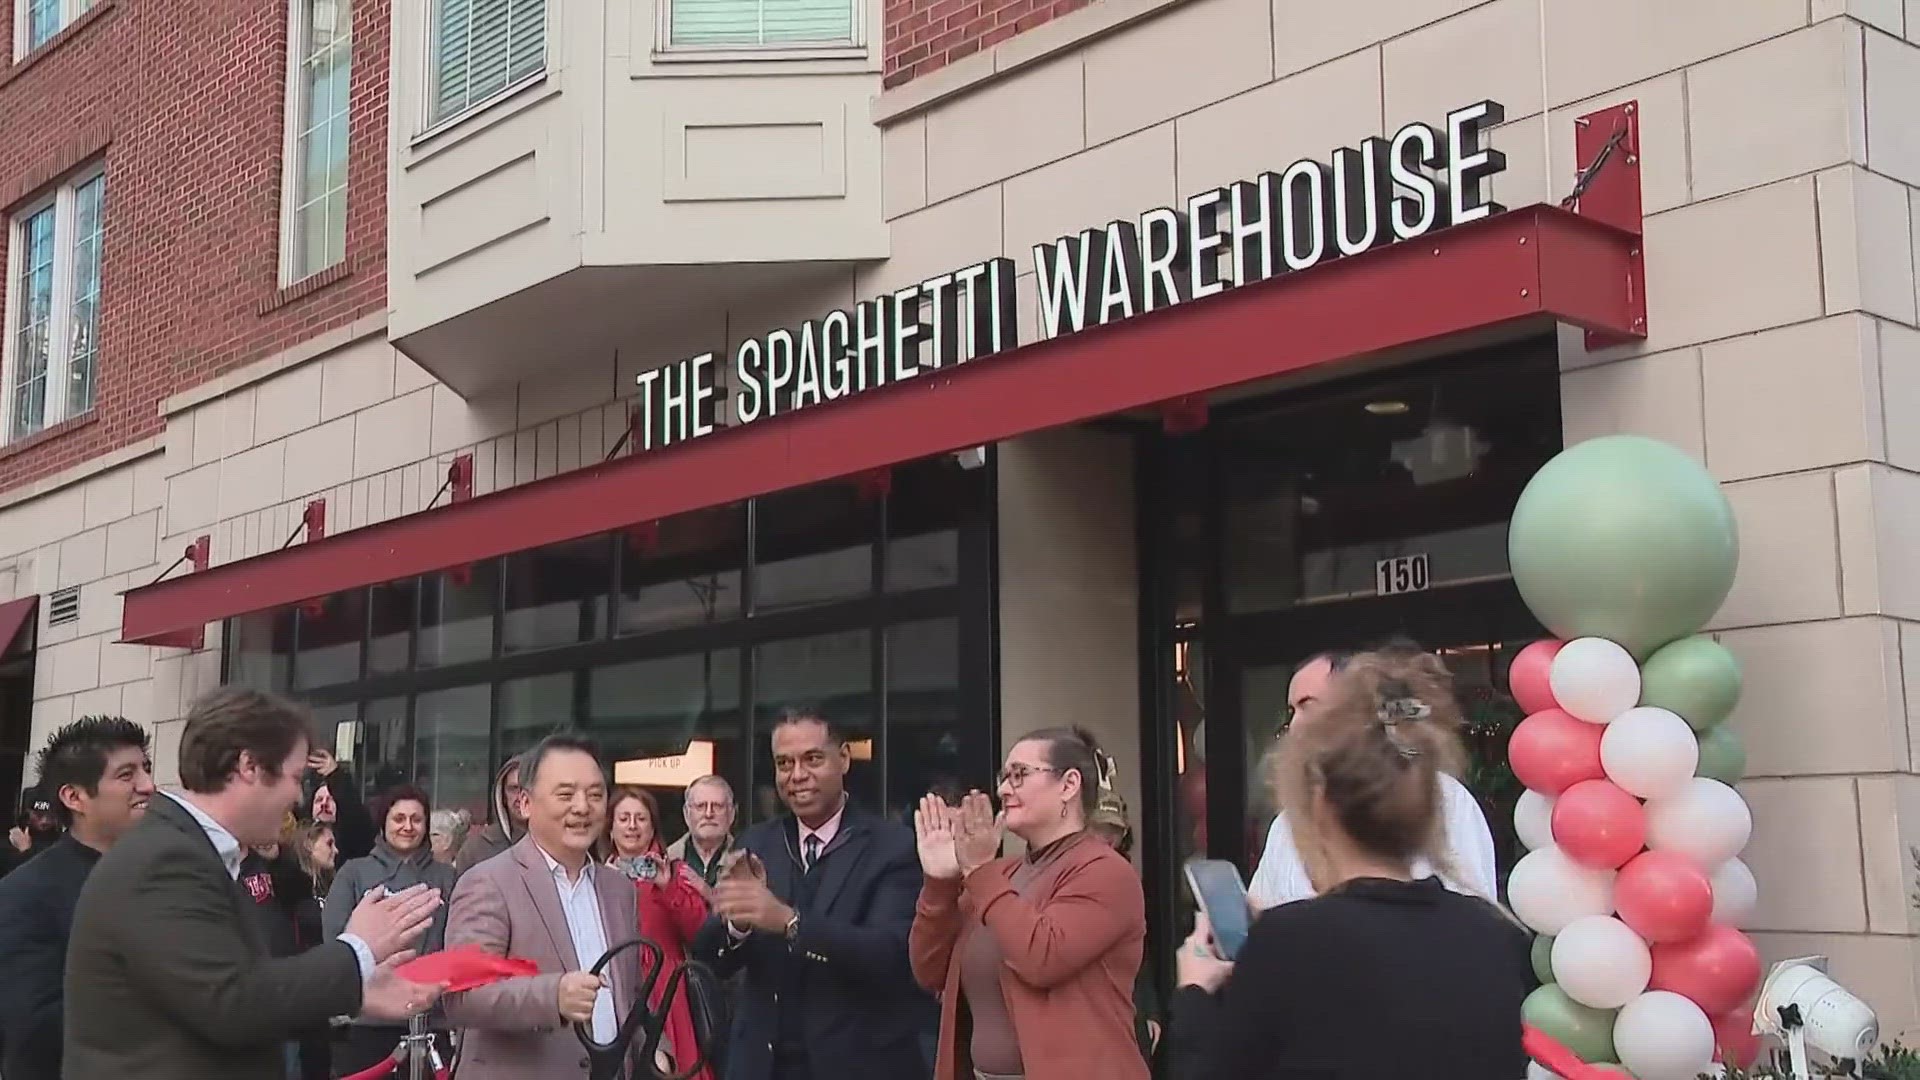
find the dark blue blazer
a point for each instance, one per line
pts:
(36, 917)
(862, 1012)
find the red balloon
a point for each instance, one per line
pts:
(1664, 898)
(1551, 751)
(1527, 676)
(1599, 825)
(1734, 1041)
(1716, 969)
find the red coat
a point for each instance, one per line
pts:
(670, 915)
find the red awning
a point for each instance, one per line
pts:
(15, 615)
(1530, 265)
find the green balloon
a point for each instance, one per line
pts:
(1588, 1033)
(1696, 677)
(1625, 538)
(1723, 756)
(1543, 959)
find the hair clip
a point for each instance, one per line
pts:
(1104, 765)
(1404, 708)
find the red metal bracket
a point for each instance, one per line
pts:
(1183, 416)
(1607, 144)
(314, 517)
(198, 555)
(460, 479)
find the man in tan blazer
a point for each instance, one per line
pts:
(544, 900)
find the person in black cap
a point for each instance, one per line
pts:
(37, 829)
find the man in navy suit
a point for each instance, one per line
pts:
(816, 909)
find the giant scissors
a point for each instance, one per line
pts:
(643, 1033)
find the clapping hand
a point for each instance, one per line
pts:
(19, 838)
(933, 829)
(977, 832)
(745, 902)
(390, 922)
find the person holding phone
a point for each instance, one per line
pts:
(1384, 972)
(672, 903)
(1034, 956)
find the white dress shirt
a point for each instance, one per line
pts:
(231, 852)
(588, 928)
(825, 833)
(1281, 877)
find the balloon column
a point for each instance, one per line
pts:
(1624, 547)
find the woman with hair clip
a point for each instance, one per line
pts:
(1033, 956)
(1385, 972)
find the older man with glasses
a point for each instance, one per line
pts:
(709, 809)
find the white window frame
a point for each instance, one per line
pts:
(430, 125)
(809, 50)
(292, 162)
(60, 333)
(69, 11)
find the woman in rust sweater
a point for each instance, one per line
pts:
(1034, 956)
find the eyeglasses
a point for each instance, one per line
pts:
(715, 808)
(1015, 775)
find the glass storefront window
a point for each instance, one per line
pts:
(533, 708)
(260, 649)
(557, 595)
(685, 572)
(930, 499)
(382, 760)
(394, 607)
(931, 747)
(329, 633)
(456, 615)
(812, 546)
(666, 721)
(832, 673)
(452, 758)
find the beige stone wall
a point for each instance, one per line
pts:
(1069, 593)
(1781, 143)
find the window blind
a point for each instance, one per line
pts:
(481, 47)
(760, 22)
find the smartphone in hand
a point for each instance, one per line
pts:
(1222, 896)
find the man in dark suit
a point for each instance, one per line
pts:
(168, 977)
(815, 909)
(97, 771)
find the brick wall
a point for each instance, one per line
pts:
(927, 35)
(185, 101)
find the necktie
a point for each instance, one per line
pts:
(812, 852)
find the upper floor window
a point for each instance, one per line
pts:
(53, 307)
(36, 21)
(319, 74)
(479, 49)
(760, 23)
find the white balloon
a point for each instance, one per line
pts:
(1594, 679)
(1734, 894)
(1705, 820)
(1533, 819)
(1600, 962)
(1548, 891)
(1649, 752)
(1661, 1035)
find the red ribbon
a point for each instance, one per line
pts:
(464, 968)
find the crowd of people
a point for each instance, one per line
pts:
(253, 924)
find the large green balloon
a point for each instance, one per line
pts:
(1587, 1032)
(1696, 677)
(1624, 538)
(1543, 959)
(1723, 756)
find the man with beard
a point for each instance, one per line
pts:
(98, 772)
(815, 907)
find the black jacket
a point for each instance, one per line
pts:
(279, 889)
(36, 916)
(168, 976)
(860, 1013)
